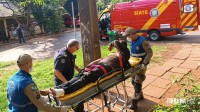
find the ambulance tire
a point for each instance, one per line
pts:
(154, 35)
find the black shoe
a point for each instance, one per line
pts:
(141, 97)
(133, 105)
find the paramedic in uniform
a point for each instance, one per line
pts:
(139, 48)
(64, 64)
(22, 92)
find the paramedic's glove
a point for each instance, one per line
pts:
(65, 109)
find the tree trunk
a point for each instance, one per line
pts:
(89, 30)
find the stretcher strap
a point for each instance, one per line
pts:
(92, 67)
(120, 59)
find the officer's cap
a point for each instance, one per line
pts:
(128, 31)
(23, 59)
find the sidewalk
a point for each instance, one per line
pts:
(159, 78)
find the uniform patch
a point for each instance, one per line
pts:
(62, 60)
(34, 88)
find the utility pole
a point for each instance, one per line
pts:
(89, 30)
(73, 19)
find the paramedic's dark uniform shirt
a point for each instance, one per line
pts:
(64, 62)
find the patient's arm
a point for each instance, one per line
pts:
(95, 61)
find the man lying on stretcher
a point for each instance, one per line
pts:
(97, 68)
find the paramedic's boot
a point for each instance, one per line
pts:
(133, 105)
(136, 98)
(138, 95)
(141, 96)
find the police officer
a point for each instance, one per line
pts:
(139, 48)
(64, 64)
(22, 92)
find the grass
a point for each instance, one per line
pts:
(5, 64)
(43, 72)
(157, 50)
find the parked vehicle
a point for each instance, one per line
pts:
(104, 25)
(68, 21)
(154, 18)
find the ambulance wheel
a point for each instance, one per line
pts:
(154, 35)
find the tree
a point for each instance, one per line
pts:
(48, 13)
(68, 7)
(52, 12)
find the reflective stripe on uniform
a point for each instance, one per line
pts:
(141, 54)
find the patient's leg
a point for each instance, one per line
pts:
(67, 83)
(79, 82)
(68, 88)
(59, 90)
(86, 78)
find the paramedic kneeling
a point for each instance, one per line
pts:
(22, 92)
(139, 48)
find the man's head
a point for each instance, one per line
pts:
(24, 62)
(73, 45)
(130, 33)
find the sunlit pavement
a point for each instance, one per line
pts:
(39, 48)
